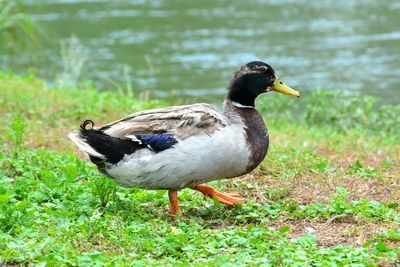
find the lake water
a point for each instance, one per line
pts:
(191, 48)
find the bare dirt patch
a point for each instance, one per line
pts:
(320, 188)
(316, 187)
(342, 231)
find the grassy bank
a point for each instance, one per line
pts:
(326, 195)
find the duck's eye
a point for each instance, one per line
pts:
(263, 68)
(280, 82)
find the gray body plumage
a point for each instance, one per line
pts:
(210, 145)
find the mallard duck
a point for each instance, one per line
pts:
(187, 146)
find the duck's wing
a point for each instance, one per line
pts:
(161, 127)
(157, 129)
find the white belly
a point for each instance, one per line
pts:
(195, 160)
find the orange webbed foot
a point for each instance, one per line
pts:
(228, 199)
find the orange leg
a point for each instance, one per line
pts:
(227, 199)
(173, 198)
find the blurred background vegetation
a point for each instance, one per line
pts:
(189, 50)
(16, 27)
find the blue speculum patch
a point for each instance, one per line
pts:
(158, 142)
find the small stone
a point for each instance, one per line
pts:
(310, 230)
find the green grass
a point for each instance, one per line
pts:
(16, 27)
(326, 195)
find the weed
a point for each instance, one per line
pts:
(16, 25)
(358, 168)
(105, 190)
(73, 60)
(17, 134)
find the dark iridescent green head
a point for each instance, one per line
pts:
(253, 79)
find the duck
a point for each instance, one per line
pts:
(190, 145)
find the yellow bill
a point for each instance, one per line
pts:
(280, 87)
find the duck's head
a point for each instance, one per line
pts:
(253, 79)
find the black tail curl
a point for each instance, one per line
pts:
(112, 148)
(86, 123)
